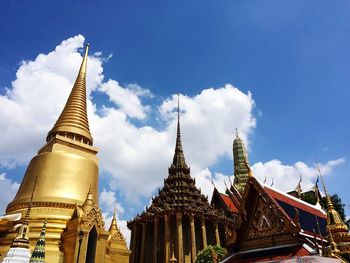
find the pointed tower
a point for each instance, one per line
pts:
(241, 163)
(66, 168)
(179, 215)
(73, 121)
(38, 255)
(179, 158)
(117, 250)
(20, 249)
(339, 236)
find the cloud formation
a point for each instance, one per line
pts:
(134, 156)
(8, 190)
(286, 177)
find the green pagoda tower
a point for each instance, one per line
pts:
(241, 164)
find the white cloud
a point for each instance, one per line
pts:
(126, 98)
(108, 202)
(136, 157)
(286, 177)
(205, 181)
(30, 108)
(8, 189)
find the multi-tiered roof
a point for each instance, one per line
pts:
(180, 192)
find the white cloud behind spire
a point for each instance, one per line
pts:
(135, 157)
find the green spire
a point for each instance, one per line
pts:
(241, 163)
(38, 255)
(179, 158)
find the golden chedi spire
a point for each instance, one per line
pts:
(73, 119)
(66, 168)
(334, 221)
(339, 237)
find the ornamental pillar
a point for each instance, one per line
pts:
(217, 236)
(193, 239)
(204, 234)
(155, 239)
(143, 243)
(180, 246)
(166, 239)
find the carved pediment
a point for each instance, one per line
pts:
(93, 216)
(265, 222)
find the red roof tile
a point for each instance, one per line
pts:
(229, 203)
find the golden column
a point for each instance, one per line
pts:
(180, 245)
(143, 244)
(217, 236)
(204, 234)
(155, 239)
(193, 239)
(167, 238)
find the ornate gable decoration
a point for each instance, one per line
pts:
(93, 216)
(265, 222)
(264, 218)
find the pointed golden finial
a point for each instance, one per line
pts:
(328, 199)
(73, 121)
(334, 221)
(114, 227)
(89, 201)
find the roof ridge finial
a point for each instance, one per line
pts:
(298, 187)
(73, 119)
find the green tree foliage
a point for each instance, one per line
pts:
(211, 254)
(338, 206)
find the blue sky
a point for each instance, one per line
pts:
(292, 56)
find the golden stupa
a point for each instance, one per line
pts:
(66, 194)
